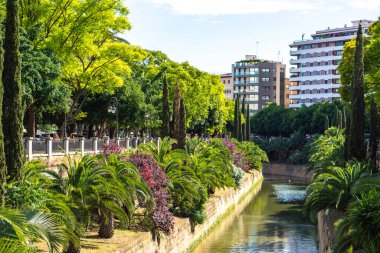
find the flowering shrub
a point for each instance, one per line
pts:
(111, 148)
(158, 182)
(238, 156)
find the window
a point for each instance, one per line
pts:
(265, 97)
(274, 79)
(265, 79)
(224, 81)
(304, 47)
(339, 43)
(253, 79)
(313, 46)
(265, 70)
(282, 70)
(229, 81)
(265, 87)
(274, 87)
(255, 107)
(254, 71)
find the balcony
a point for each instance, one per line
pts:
(295, 61)
(294, 52)
(295, 70)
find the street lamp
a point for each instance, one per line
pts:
(114, 109)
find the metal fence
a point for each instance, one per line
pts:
(50, 148)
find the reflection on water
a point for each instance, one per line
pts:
(271, 222)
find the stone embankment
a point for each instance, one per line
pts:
(283, 171)
(183, 237)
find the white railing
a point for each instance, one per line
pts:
(50, 148)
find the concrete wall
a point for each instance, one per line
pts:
(182, 236)
(326, 232)
(297, 173)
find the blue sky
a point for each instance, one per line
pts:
(213, 34)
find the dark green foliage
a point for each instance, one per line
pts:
(359, 228)
(12, 99)
(165, 131)
(3, 168)
(332, 187)
(347, 135)
(243, 125)
(237, 120)
(176, 112)
(327, 122)
(356, 148)
(273, 120)
(182, 125)
(248, 124)
(374, 133)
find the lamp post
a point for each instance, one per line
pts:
(114, 109)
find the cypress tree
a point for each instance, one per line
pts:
(248, 125)
(182, 126)
(347, 135)
(374, 133)
(327, 123)
(236, 118)
(357, 148)
(344, 118)
(176, 112)
(340, 119)
(3, 167)
(243, 126)
(12, 99)
(165, 131)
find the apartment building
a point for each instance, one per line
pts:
(315, 77)
(259, 81)
(227, 80)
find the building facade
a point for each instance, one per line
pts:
(227, 81)
(314, 75)
(259, 82)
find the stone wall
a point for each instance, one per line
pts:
(182, 237)
(297, 173)
(326, 232)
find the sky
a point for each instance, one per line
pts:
(213, 34)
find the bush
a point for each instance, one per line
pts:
(238, 174)
(158, 182)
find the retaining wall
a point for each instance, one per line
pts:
(183, 238)
(297, 173)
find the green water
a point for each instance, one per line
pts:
(271, 222)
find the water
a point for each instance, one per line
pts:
(271, 222)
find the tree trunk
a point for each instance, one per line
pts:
(31, 123)
(72, 248)
(106, 226)
(12, 100)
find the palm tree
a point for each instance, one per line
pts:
(93, 189)
(19, 228)
(359, 228)
(333, 187)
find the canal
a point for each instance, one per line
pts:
(271, 222)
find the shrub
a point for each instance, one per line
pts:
(238, 156)
(158, 182)
(237, 174)
(253, 155)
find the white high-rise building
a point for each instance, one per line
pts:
(315, 76)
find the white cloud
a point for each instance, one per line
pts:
(364, 4)
(222, 7)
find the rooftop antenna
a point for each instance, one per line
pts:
(278, 56)
(257, 48)
(303, 35)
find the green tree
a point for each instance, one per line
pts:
(3, 166)
(12, 100)
(356, 146)
(182, 126)
(176, 112)
(248, 122)
(374, 134)
(243, 125)
(236, 118)
(165, 132)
